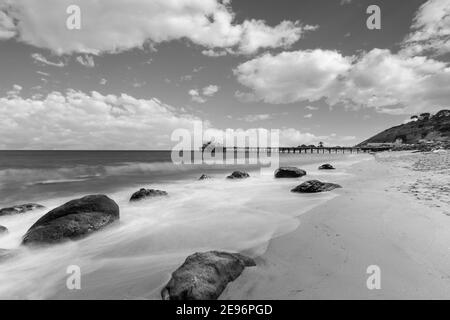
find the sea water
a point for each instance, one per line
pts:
(133, 259)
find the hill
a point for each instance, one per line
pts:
(423, 129)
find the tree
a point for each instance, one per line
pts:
(320, 144)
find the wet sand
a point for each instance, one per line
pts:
(392, 212)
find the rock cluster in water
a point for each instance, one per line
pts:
(289, 172)
(3, 230)
(238, 175)
(204, 177)
(73, 220)
(147, 193)
(313, 186)
(203, 276)
(326, 166)
(19, 209)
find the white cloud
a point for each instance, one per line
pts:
(390, 83)
(258, 35)
(7, 27)
(200, 97)
(86, 60)
(256, 117)
(195, 96)
(45, 74)
(215, 53)
(76, 120)
(103, 81)
(41, 59)
(292, 76)
(431, 29)
(287, 137)
(308, 116)
(117, 25)
(312, 108)
(210, 90)
(14, 92)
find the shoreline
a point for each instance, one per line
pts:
(371, 222)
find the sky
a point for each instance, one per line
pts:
(137, 70)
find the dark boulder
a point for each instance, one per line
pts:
(147, 193)
(204, 177)
(73, 220)
(313, 186)
(289, 172)
(3, 230)
(326, 166)
(238, 175)
(204, 276)
(21, 208)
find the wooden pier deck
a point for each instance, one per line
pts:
(300, 150)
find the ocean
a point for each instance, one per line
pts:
(134, 258)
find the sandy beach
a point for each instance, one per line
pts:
(392, 212)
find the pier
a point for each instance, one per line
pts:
(300, 150)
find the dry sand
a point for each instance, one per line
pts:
(392, 213)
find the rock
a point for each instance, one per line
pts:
(22, 208)
(204, 177)
(147, 193)
(326, 166)
(203, 276)
(238, 175)
(313, 186)
(72, 220)
(289, 172)
(3, 230)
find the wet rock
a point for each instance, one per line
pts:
(238, 175)
(326, 166)
(19, 209)
(3, 230)
(313, 186)
(204, 276)
(147, 193)
(289, 172)
(204, 177)
(73, 220)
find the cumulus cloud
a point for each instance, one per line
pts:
(210, 90)
(308, 116)
(76, 120)
(287, 137)
(390, 83)
(109, 26)
(7, 27)
(430, 29)
(201, 96)
(256, 117)
(215, 53)
(292, 76)
(195, 96)
(39, 58)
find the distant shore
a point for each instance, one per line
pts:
(392, 213)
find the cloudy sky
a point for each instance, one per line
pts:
(139, 69)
